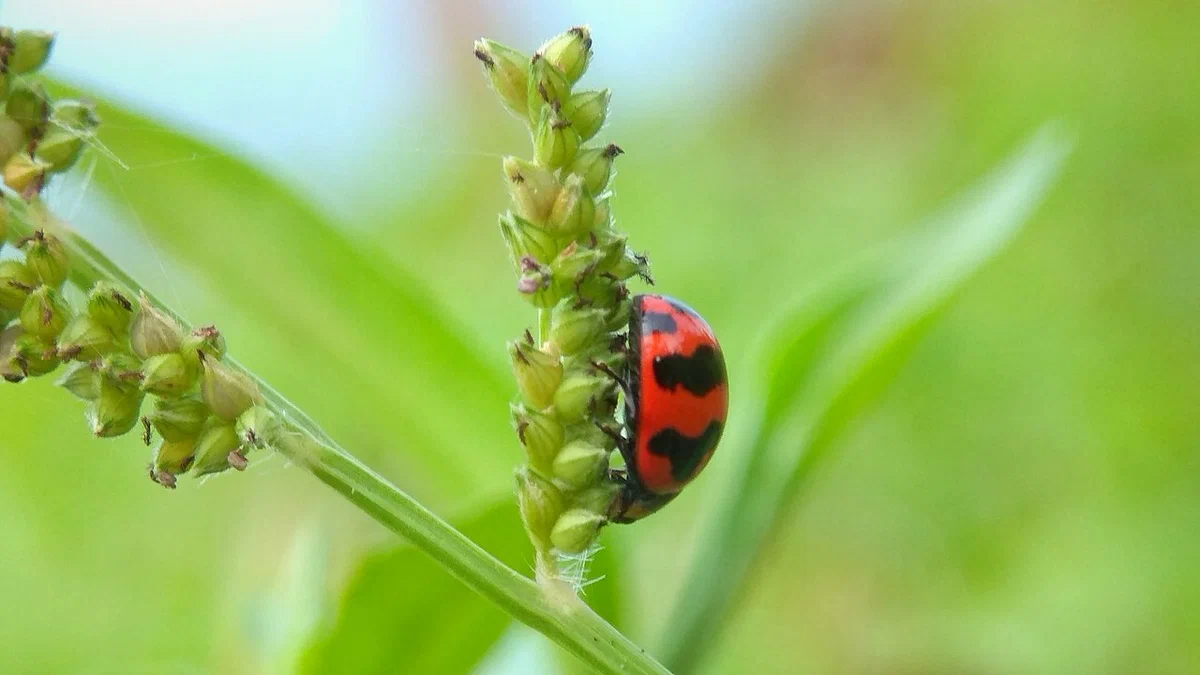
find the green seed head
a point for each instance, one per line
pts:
(154, 332)
(587, 111)
(541, 503)
(507, 71)
(576, 530)
(580, 464)
(526, 240)
(227, 392)
(574, 209)
(573, 329)
(532, 187)
(44, 314)
(47, 258)
(16, 281)
(178, 419)
(206, 339)
(538, 373)
(595, 166)
(555, 142)
(541, 434)
(116, 410)
(172, 459)
(31, 50)
(213, 448)
(110, 307)
(570, 52)
(81, 380)
(167, 375)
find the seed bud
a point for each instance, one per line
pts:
(576, 530)
(555, 142)
(177, 419)
(526, 240)
(206, 339)
(538, 373)
(580, 464)
(574, 210)
(595, 166)
(154, 332)
(44, 314)
(47, 258)
(110, 307)
(575, 396)
(507, 71)
(540, 503)
(587, 111)
(532, 187)
(81, 380)
(573, 329)
(167, 375)
(570, 52)
(16, 281)
(216, 443)
(172, 459)
(31, 50)
(115, 411)
(227, 392)
(548, 86)
(541, 434)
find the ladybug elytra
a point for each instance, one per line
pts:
(676, 403)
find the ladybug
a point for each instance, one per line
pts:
(676, 403)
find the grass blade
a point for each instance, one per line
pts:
(827, 358)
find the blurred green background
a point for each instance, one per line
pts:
(1022, 500)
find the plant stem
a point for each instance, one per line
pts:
(550, 608)
(554, 610)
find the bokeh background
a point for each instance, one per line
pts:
(1023, 499)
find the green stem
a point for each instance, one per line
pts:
(543, 326)
(551, 608)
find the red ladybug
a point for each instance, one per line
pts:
(676, 402)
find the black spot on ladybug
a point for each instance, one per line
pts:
(685, 452)
(657, 322)
(699, 373)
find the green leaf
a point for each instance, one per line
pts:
(402, 613)
(323, 308)
(825, 361)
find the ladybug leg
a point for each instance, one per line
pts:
(616, 377)
(614, 434)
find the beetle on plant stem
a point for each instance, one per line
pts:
(676, 404)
